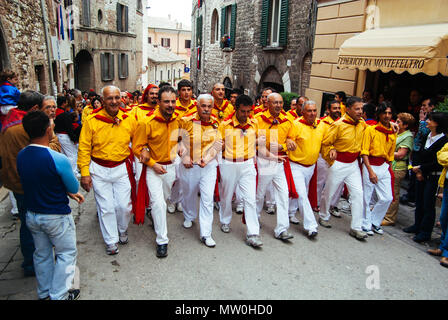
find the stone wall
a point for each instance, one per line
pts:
(22, 28)
(245, 65)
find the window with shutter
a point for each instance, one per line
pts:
(274, 23)
(283, 30)
(264, 23)
(199, 31)
(233, 27)
(223, 25)
(111, 67)
(123, 66)
(85, 20)
(126, 19)
(107, 66)
(119, 17)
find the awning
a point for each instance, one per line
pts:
(413, 48)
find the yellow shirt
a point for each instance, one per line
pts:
(159, 136)
(259, 109)
(344, 137)
(378, 144)
(182, 111)
(442, 158)
(86, 112)
(199, 136)
(325, 124)
(343, 109)
(308, 139)
(292, 115)
(223, 111)
(141, 111)
(239, 144)
(106, 141)
(277, 132)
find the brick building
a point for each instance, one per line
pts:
(270, 44)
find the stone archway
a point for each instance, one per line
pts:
(84, 71)
(228, 86)
(4, 54)
(271, 78)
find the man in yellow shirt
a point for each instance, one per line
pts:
(185, 103)
(334, 113)
(239, 136)
(343, 142)
(148, 105)
(296, 111)
(103, 159)
(342, 98)
(264, 100)
(277, 128)
(222, 107)
(378, 148)
(198, 169)
(308, 137)
(157, 135)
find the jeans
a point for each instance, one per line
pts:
(55, 255)
(444, 221)
(26, 239)
(425, 205)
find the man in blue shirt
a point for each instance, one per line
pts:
(47, 179)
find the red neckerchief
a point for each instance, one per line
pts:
(276, 121)
(314, 125)
(13, 118)
(385, 131)
(143, 107)
(6, 83)
(242, 127)
(163, 120)
(114, 121)
(221, 111)
(182, 108)
(294, 113)
(350, 122)
(212, 121)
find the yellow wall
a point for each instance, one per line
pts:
(177, 43)
(393, 13)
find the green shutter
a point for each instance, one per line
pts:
(264, 23)
(233, 27)
(223, 24)
(284, 15)
(199, 31)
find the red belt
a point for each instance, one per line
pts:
(376, 161)
(238, 160)
(107, 163)
(347, 157)
(165, 163)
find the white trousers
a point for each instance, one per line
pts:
(201, 180)
(383, 190)
(270, 195)
(159, 188)
(176, 190)
(302, 176)
(243, 175)
(70, 149)
(113, 199)
(350, 174)
(271, 175)
(322, 174)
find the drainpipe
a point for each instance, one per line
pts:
(50, 66)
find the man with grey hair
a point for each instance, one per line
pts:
(199, 166)
(308, 138)
(105, 165)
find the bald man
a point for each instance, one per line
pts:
(103, 159)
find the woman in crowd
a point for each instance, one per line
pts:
(442, 158)
(404, 145)
(427, 171)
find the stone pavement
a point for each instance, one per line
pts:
(332, 267)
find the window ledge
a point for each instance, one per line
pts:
(227, 49)
(273, 48)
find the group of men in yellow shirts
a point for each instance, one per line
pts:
(172, 150)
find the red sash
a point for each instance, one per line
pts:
(290, 180)
(312, 189)
(347, 157)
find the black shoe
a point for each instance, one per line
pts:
(73, 294)
(419, 238)
(411, 229)
(162, 250)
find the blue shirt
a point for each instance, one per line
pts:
(9, 94)
(46, 177)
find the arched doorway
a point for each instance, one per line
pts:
(84, 71)
(4, 55)
(228, 86)
(271, 78)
